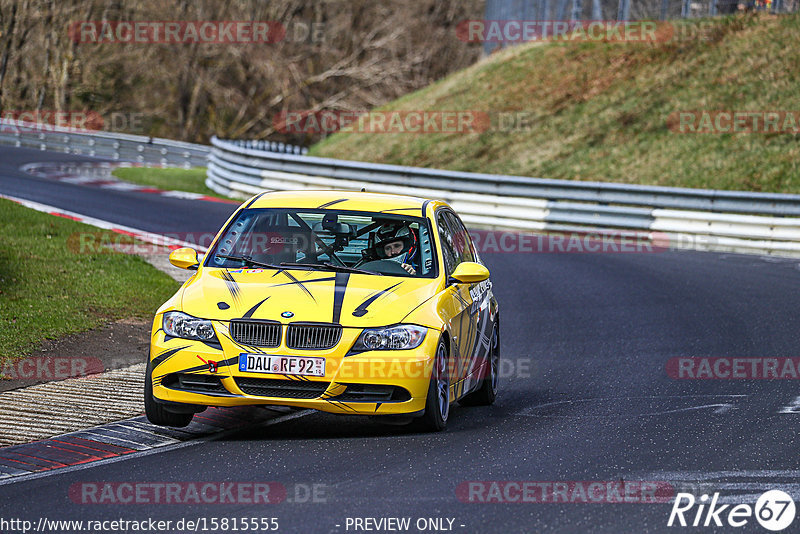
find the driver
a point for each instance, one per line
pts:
(397, 242)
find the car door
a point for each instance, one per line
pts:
(475, 327)
(459, 300)
(453, 303)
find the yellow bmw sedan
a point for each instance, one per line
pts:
(345, 302)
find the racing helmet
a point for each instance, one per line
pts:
(391, 232)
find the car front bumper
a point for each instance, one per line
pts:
(370, 383)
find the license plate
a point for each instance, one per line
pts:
(281, 365)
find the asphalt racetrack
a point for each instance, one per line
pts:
(585, 396)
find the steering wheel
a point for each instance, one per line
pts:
(384, 267)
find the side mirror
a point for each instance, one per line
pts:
(470, 272)
(184, 258)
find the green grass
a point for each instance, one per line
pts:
(599, 111)
(49, 288)
(170, 179)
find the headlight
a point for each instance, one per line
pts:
(399, 337)
(177, 324)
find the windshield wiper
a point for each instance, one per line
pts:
(247, 260)
(328, 265)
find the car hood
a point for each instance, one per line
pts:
(350, 299)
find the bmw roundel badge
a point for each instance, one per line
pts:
(287, 314)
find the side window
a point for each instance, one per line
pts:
(449, 255)
(462, 243)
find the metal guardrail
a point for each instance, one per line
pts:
(690, 218)
(119, 146)
(113, 146)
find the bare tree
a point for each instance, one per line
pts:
(337, 54)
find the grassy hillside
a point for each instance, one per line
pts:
(600, 110)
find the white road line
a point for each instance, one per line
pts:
(721, 408)
(793, 407)
(148, 452)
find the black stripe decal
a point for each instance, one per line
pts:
(294, 280)
(158, 360)
(363, 307)
(245, 348)
(301, 283)
(338, 294)
(252, 310)
(204, 367)
(340, 404)
(332, 202)
(232, 285)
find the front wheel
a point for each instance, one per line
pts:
(437, 405)
(155, 411)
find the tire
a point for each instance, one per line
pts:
(487, 391)
(437, 404)
(155, 411)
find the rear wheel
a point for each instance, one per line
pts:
(155, 411)
(437, 405)
(487, 391)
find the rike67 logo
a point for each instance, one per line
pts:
(774, 510)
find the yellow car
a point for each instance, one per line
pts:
(344, 302)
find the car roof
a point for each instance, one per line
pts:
(344, 200)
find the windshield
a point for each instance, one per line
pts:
(372, 243)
